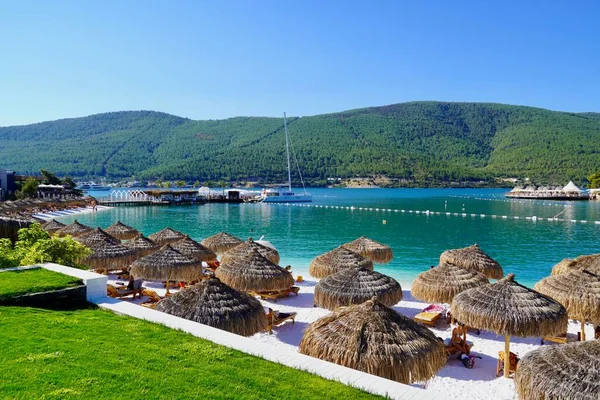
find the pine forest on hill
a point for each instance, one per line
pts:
(421, 143)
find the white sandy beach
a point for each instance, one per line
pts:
(452, 382)
(71, 211)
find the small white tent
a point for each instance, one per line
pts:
(571, 187)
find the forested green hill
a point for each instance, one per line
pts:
(423, 142)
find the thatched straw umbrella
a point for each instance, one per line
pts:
(254, 273)
(221, 242)
(336, 260)
(244, 249)
(193, 249)
(75, 229)
(440, 284)
(373, 338)
(510, 309)
(213, 303)
(142, 245)
(568, 371)
(52, 226)
(355, 286)
(122, 231)
(108, 255)
(166, 236)
(590, 262)
(95, 237)
(578, 291)
(472, 257)
(371, 249)
(10, 225)
(167, 264)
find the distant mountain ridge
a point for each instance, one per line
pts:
(421, 142)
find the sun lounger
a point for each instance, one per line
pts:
(564, 338)
(275, 318)
(153, 298)
(278, 294)
(514, 360)
(118, 293)
(427, 318)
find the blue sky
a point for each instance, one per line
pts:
(217, 59)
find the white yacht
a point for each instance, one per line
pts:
(286, 194)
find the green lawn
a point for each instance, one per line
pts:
(95, 354)
(15, 283)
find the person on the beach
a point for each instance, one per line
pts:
(459, 338)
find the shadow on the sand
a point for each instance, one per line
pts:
(484, 369)
(290, 333)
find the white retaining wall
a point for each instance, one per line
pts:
(96, 293)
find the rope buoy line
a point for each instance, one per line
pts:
(537, 202)
(442, 213)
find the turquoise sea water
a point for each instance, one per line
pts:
(526, 247)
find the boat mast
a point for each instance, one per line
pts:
(287, 150)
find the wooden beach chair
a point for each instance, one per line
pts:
(514, 360)
(153, 298)
(275, 318)
(562, 339)
(430, 314)
(277, 294)
(118, 293)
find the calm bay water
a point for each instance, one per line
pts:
(525, 247)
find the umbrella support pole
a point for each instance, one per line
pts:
(506, 356)
(167, 287)
(583, 330)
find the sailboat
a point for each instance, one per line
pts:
(286, 194)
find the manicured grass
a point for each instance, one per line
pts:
(95, 354)
(15, 283)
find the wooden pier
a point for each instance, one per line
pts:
(135, 198)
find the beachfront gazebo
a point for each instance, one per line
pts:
(213, 303)
(510, 309)
(74, 229)
(245, 248)
(375, 339)
(52, 226)
(122, 231)
(254, 273)
(590, 262)
(568, 371)
(472, 257)
(107, 255)
(336, 260)
(371, 249)
(166, 236)
(167, 264)
(97, 236)
(142, 245)
(221, 242)
(578, 291)
(571, 188)
(191, 248)
(440, 284)
(355, 286)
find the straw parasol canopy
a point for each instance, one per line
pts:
(107, 255)
(336, 260)
(142, 245)
(440, 284)
(221, 242)
(371, 249)
(245, 248)
(74, 229)
(355, 286)
(10, 225)
(590, 262)
(373, 338)
(95, 237)
(510, 309)
(122, 231)
(568, 371)
(472, 257)
(213, 303)
(193, 249)
(578, 291)
(53, 226)
(254, 273)
(167, 264)
(166, 236)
